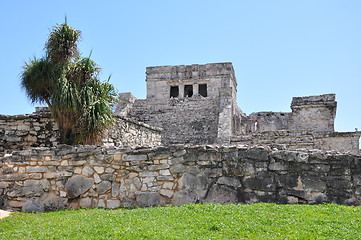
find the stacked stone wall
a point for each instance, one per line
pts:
(190, 121)
(130, 133)
(288, 139)
(291, 139)
(82, 177)
(21, 132)
(316, 113)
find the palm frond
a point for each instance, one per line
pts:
(38, 78)
(62, 43)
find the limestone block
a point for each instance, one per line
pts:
(184, 197)
(137, 183)
(180, 153)
(277, 166)
(23, 127)
(168, 185)
(64, 163)
(31, 182)
(57, 175)
(13, 139)
(178, 168)
(165, 172)
(36, 169)
(149, 199)
(108, 177)
(166, 192)
(158, 167)
(148, 179)
(52, 163)
(77, 163)
(233, 182)
(221, 194)
(78, 185)
(85, 202)
(104, 186)
(117, 156)
(32, 206)
(97, 178)
(165, 178)
(99, 170)
(35, 176)
(292, 200)
(62, 194)
(14, 177)
(115, 189)
(87, 171)
(15, 204)
(265, 184)
(140, 157)
(113, 203)
(177, 160)
(52, 202)
(109, 170)
(149, 174)
(101, 203)
(316, 197)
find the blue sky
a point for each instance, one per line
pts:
(279, 48)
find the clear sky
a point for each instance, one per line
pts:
(279, 48)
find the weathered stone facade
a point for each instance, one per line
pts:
(310, 125)
(196, 104)
(20, 132)
(82, 177)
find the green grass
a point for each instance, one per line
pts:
(194, 221)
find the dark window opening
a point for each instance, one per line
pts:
(174, 91)
(188, 90)
(202, 88)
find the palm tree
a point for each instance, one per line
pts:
(69, 84)
(39, 78)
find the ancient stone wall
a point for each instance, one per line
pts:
(130, 133)
(310, 125)
(291, 139)
(270, 121)
(312, 113)
(199, 116)
(343, 141)
(192, 121)
(282, 139)
(316, 113)
(215, 75)
(83, 177)
(20, 132)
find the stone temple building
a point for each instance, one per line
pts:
(196, 104)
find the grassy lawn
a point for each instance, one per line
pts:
(195, 221)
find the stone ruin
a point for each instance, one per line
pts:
(196, 104)
(187, 142)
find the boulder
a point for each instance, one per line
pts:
(78, 185)
(32, 206)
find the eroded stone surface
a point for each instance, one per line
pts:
(205, 174)
(78, 185)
